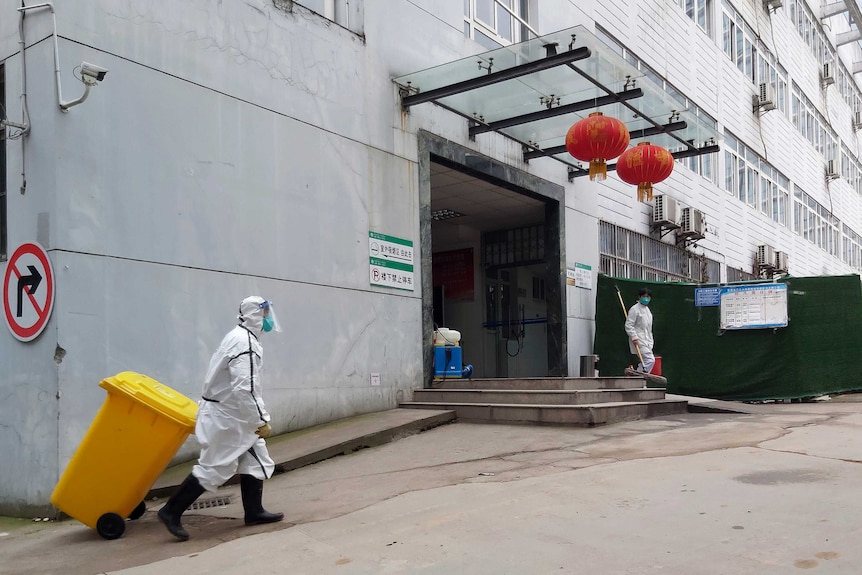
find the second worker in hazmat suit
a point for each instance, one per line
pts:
(232, 422)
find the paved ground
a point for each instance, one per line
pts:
(703, 493)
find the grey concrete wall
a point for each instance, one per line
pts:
(239, 147)
(230, 151)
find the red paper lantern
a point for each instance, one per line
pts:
(596, 139)
(645, 165)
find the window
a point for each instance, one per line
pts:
(808, 27)
(699, 12)
(769, 71)
(3, 253)
(851, 254)
(811, 32)
(346, 13)
(516, 246)
(495, 23)
(755, 181)
(815, 223)
(774, 195)
(739, 41)
(751, 56)
(703, 165)
(851, 170)
(739, 275)
(812, 125)
(706, 164)
(628, 254)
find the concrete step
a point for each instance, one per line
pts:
(538, 383)
(537, 397)
(579, 415)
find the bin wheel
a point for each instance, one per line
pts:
(139, 511)
(110, 526)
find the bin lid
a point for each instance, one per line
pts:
(151, 393)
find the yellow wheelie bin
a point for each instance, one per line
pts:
(134, 436)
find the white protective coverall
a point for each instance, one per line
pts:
(639, 326)
(232, 408)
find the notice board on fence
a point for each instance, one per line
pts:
(757, 306)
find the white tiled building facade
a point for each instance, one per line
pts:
(251, 147)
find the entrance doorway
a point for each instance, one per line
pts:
(491, 268)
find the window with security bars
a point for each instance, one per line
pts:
(628, 254)
(739, 275)
(514, 247)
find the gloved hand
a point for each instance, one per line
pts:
(264, 431)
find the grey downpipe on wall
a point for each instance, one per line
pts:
(25, 111)
(24, 127)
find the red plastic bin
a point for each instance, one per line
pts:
(656, 369)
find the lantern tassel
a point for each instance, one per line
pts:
(598, 170)
(644, 191)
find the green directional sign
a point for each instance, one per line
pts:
(390, 261)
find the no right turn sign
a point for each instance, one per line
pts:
(28, 291)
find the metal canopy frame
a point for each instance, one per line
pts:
(532, 93)
(558, 111)
(636, 135)
(708, 149)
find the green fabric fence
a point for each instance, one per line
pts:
(817, 353)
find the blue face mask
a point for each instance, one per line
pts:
(645, 300)
(268, 323)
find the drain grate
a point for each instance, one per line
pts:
(208, 503)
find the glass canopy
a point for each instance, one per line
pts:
(535, 90)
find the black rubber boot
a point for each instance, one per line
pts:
(252, 502)
(173, 510)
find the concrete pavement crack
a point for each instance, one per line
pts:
(809, 454)
(500, 457)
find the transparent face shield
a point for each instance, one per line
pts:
(270, 320)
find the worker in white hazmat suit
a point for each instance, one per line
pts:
(232, 422)
(639, 329)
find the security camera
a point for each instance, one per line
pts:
(92, 72)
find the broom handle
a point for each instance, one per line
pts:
(626, 314)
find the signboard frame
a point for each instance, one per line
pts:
(757, 306)
(390, 262)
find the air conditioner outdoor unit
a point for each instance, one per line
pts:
(765, 98)
(765, 256)
(773, 4)
(831, 171)
(692, 222)
(828, 77)
(781, 261)
(665, 210)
